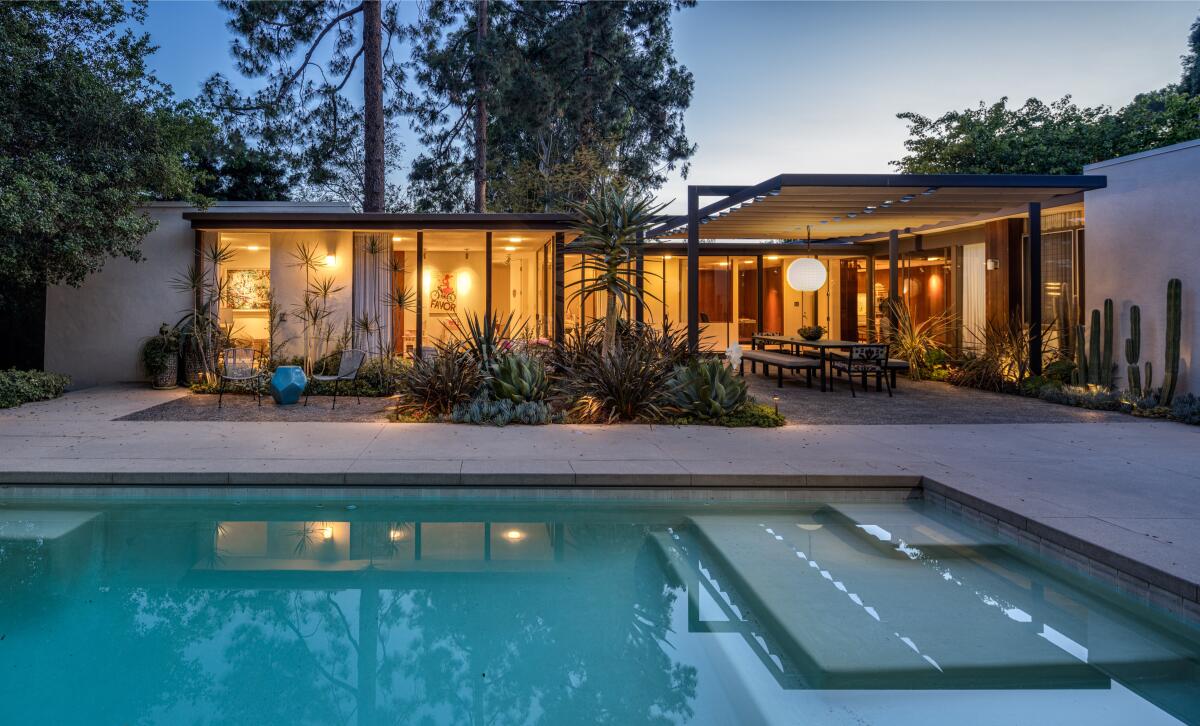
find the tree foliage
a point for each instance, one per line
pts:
(86, 134)
(1039, 138)
(305, 113)
(575, 92)
(233, 170)
(1189, 83)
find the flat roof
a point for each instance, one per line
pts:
(372, 221)
(855, 207)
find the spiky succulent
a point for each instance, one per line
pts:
(518, 377)
(707, 389)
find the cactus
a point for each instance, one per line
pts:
(1094, 350)
(1174, 322)
(518, 378)
(1080, 375)
(707, 389)
(1133, 351)
(1106, 333)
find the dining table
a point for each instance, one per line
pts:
(797, 343)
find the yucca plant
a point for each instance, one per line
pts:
(518, 377)
(610, 222)
(707, 389)
(912, 340)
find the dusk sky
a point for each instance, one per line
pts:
(815, 87)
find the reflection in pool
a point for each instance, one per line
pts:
(327, 612)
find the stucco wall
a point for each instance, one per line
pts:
(1142, 230)
(94, 332)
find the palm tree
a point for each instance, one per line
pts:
(611, 220)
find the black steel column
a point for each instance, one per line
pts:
(894, 265)
(762, 281)
(560, 306)
(693, 270)
(639, 278)
(420, 337)
(487, 276)
(1035, 288)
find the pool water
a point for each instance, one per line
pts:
(320, 611)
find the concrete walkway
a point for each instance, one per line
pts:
(1125, 494)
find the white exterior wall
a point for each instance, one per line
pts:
(94, 332)
(1142, 230)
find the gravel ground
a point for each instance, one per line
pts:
(914, 402)
(203, 407)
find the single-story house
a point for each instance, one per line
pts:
(978, 246)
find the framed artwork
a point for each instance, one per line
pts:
(247, 289)
(443, 298)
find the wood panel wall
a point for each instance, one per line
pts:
(1002, 286)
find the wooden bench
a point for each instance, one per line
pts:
(781, 361)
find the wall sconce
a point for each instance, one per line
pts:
(330, 260)
(993, 264)
(327, 533)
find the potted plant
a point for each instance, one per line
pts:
(811, 332)
(160, 356)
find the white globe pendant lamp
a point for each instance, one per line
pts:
(806, 274)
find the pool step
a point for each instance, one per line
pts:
(887, 526)
(851, 618)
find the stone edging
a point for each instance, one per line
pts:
(1144, 584)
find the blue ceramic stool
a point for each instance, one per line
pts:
(287, 384)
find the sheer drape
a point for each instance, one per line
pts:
(974, 315)
(372, 293)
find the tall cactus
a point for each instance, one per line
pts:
(1106, 364)
(1093, 376)
(1133, 351)
(1174, 323)
(1080, 375)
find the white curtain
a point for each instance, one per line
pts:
(974, 314)
(372, 293)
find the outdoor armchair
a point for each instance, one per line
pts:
(865, 360)
(241, 365)
(348, 365)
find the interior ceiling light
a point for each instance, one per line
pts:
(510, 248)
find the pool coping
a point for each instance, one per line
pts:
(1133, 578)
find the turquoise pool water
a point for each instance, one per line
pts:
(191, 611)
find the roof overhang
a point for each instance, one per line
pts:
(860, 207)
(391, 222)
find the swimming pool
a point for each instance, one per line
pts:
(328, 611)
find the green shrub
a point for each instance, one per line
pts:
(707, 389)
(1186, 408)
(1091, 397)
(753, 413)
(158, 350)
(519, 378)
(18, 387)
(434, 386)
(1059, 371)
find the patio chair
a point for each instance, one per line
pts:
(351, 360)
(864, 360)
(240, 365)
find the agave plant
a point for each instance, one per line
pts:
(707, 389)
(610, 222)
(518, 377)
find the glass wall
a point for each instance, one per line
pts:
(245, 287)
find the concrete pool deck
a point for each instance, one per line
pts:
(1117, 499)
